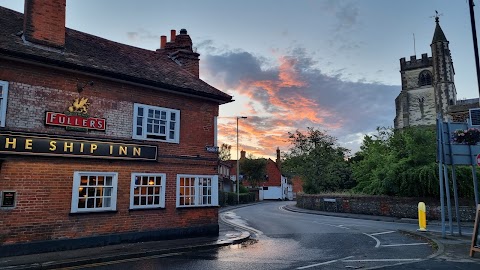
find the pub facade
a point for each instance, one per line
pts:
(101, 142)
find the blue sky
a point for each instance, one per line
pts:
(328, 64)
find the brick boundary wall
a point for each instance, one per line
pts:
(400, 207)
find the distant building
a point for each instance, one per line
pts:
(274, 186)
(428, 87)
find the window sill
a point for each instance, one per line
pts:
(197, 206)
(92, 212)
(146, 209)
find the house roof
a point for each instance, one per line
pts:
(88, 53)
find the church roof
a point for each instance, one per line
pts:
(438, 35)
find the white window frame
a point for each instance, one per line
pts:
(134, 185)
(143, 124)
(76, 186)
(3, 102)
(198, 190)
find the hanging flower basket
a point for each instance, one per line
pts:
(469, 136)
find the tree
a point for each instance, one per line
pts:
(224, 152)
(253, 170)
(318, 160)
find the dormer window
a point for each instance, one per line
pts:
(425, 78)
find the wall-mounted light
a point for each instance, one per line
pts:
(80, 87)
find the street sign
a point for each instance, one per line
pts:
(478, 160)
(211, 149)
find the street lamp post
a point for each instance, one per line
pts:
(238, 164)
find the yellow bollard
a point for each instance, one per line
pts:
(422, 217)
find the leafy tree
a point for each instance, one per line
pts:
(253, 170)
(318, 160)
(224, 152)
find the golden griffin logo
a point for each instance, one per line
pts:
(79, 105)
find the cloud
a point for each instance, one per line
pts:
(295, 94)
(141, 35)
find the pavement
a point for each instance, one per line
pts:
(451, 248)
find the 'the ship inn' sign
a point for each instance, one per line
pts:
(52, 146)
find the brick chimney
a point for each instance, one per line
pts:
(180, 50)
(44, 22)
(242, 154)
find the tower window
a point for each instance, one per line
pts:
(425, 78)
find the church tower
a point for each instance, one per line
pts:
(427, 85)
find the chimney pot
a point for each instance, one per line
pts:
(183, 31)
(163, 41)
(173, 34)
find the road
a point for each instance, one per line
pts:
(289, 240)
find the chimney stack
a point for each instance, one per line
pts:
(163, 42)
(242, 154)
(44, 22)
(180, 49)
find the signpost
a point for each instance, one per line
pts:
(475, 247)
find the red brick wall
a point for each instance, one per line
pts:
(274, 175)
(44, 184)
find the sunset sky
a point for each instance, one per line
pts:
(328, 64)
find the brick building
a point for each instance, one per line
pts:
(275, 185)
(101, 142)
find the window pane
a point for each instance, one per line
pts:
(157, 200)
(172, 116)
(101, 180)
(162, 130)
(150, 113)
(83, 180)
(143, 200)
(139, 131)
(172, 135)
(164, 115)
(98, 192)
(82, 192)
(158, 181)
(99, 202)
(157, 114)
(107, 202)
(107, 192)
(150, 190)
(136, 200)
(92, 180)
(144, 180)
(108, 180)
(172, 125)
(90, 203)
(81, 203)
(149, 128)
(155, 129)
(143, 190)
(140, 111)
(90, 192)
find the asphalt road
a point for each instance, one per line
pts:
(289, 240)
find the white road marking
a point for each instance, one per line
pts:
(383, 260)
(379, 233)
(399, 245)
(236, 221)
(324, 263)
(376, 239)
(332, 225)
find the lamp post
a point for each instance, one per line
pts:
(238, 163)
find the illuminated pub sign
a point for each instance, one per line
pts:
(52, 146)
(75, 117)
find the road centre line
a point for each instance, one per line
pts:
(379, 233)
(324, 263)
(376, 239)
(399, 245)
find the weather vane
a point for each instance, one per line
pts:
(436, 16)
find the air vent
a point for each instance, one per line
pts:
(475, 117)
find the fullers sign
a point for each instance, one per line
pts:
(53, 146)
(74, 121)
